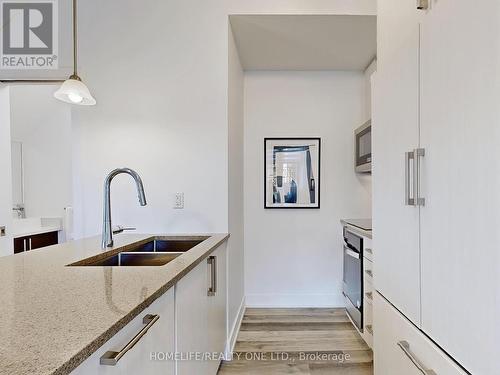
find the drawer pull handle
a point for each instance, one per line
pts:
(405, 347)
(369, 295)
(212, 289)
(111, 358)
(369, 273)
(369, 251)
(369, 329)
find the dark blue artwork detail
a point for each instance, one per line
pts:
(276, 195)
(291, 197)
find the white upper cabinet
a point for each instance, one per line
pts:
(395, 132)
(460, 130)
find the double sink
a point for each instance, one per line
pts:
(156, 252)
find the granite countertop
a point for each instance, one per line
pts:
(363, 227)
(52, 317)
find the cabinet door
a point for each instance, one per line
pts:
(395, 132)
(38, 241)
(460, 222)
(217, 309)
(192, 320)
(148, 356)
(393, 334)
(20, 244)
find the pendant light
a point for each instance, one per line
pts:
(73, 90)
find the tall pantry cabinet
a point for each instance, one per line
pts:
(436, 136)
(396, 132)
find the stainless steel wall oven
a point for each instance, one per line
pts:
(353, 277)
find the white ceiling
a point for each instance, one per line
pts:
(305, 42)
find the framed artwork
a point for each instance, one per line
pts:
(292, 172)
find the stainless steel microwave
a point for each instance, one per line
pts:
(363, 147)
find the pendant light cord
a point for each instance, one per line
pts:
(74, 38)
(75, 45)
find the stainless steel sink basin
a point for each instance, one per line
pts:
(157, 251)
(166, 246)
(135, 259)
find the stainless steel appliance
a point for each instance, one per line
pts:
(353, 277)
(363, 149)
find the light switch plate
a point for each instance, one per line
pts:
(2, 231)
(179, 201)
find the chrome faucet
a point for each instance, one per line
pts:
(19, 209)
(107, 231)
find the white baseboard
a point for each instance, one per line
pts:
(294, 300)
(235, 329)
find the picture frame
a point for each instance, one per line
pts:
(292, 173)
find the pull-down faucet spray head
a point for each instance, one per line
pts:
(107, 232)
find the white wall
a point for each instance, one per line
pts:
(365, 179)
(159, 72)
(43, 125)
(368, 89)
(6, 245)
(235, 178)
(294, 257)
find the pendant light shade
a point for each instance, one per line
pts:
(73, 90)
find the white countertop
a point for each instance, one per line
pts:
(37, 225)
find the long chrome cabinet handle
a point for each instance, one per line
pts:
(405, 347)
(212, 289)
(418, 154)
(409, 197)
(111, 358)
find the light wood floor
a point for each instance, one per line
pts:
(275, 341)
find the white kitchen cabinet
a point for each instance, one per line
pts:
(200, 317)
(217, 308)
(368, 292)
(460, 222)
(189, 326)
(192, 320)
(441, 269)
(395, 132)
(158, 338)
(394, 335)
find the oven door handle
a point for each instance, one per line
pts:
(351, 253)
